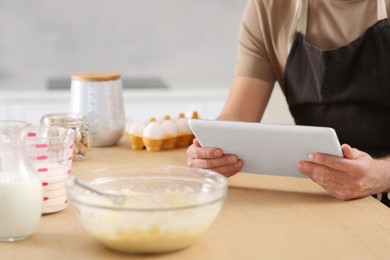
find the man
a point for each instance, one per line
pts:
(332, 61)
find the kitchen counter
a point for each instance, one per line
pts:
(264, 217)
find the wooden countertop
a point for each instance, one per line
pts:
(263, 217)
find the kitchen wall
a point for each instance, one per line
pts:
(188, 43)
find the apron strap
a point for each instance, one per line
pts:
(299, 23)
(302, 17)
(381, 9)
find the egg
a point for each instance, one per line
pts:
(182, 125)
(153, 130)
(153, 135)
(185, 135)
(134, 134)
(170, 128)
(136, 127)
(170, 133)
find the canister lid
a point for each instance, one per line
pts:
(62, 119)
(95, 76)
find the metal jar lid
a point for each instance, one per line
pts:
(62, 119)
(96, 76)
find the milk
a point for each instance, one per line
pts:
(21, 207)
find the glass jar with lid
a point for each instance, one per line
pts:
(82, 137)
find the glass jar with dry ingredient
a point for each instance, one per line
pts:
(82, 137)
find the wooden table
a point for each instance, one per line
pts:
(263, 217)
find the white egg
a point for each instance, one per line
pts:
(153, 130)
(182, 125)
(136, 128)
(170, 128)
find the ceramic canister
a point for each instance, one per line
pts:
(98, 96)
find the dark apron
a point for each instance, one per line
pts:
(347, 88)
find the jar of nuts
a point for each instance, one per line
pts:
(82, 138)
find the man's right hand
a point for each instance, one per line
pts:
(213, 159)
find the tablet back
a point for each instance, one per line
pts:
(267, 148)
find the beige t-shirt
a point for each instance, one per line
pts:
(267, 26)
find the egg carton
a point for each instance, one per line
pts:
(161, 135)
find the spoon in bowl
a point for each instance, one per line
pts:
(116, 197)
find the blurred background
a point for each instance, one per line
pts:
(173, 55)
(182, 43)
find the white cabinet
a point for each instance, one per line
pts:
(30, 107)
(31, 112)
(139, 105)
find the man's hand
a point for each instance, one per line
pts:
(356, 175)
(213, 159)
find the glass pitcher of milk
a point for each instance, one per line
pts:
(21, 195)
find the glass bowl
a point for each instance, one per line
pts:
(147, 209)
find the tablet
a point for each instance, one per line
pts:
(267, 148)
